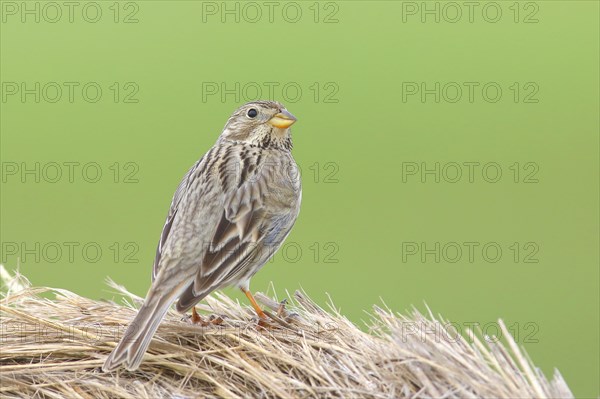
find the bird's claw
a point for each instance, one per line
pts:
(285, 314)
(212, 320)
(281, 309)
(282, 317)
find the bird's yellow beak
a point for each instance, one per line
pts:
(282, 120)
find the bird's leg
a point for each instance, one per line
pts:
(254, 304)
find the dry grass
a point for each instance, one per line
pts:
(54, 348)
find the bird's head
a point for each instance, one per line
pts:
(264, 123)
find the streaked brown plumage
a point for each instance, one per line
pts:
(230, 213)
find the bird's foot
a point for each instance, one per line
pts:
(212, 320)
(281, 318)
(285, 314)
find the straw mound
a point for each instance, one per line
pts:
(54, 348)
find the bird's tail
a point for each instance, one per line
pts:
(138, 335)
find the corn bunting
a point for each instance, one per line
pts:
(230, 213)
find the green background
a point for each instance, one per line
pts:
(358, 131)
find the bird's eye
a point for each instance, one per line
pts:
(252, 113)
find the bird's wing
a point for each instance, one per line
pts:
(183, 185)
(239, 237)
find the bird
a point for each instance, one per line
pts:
(231, 212)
